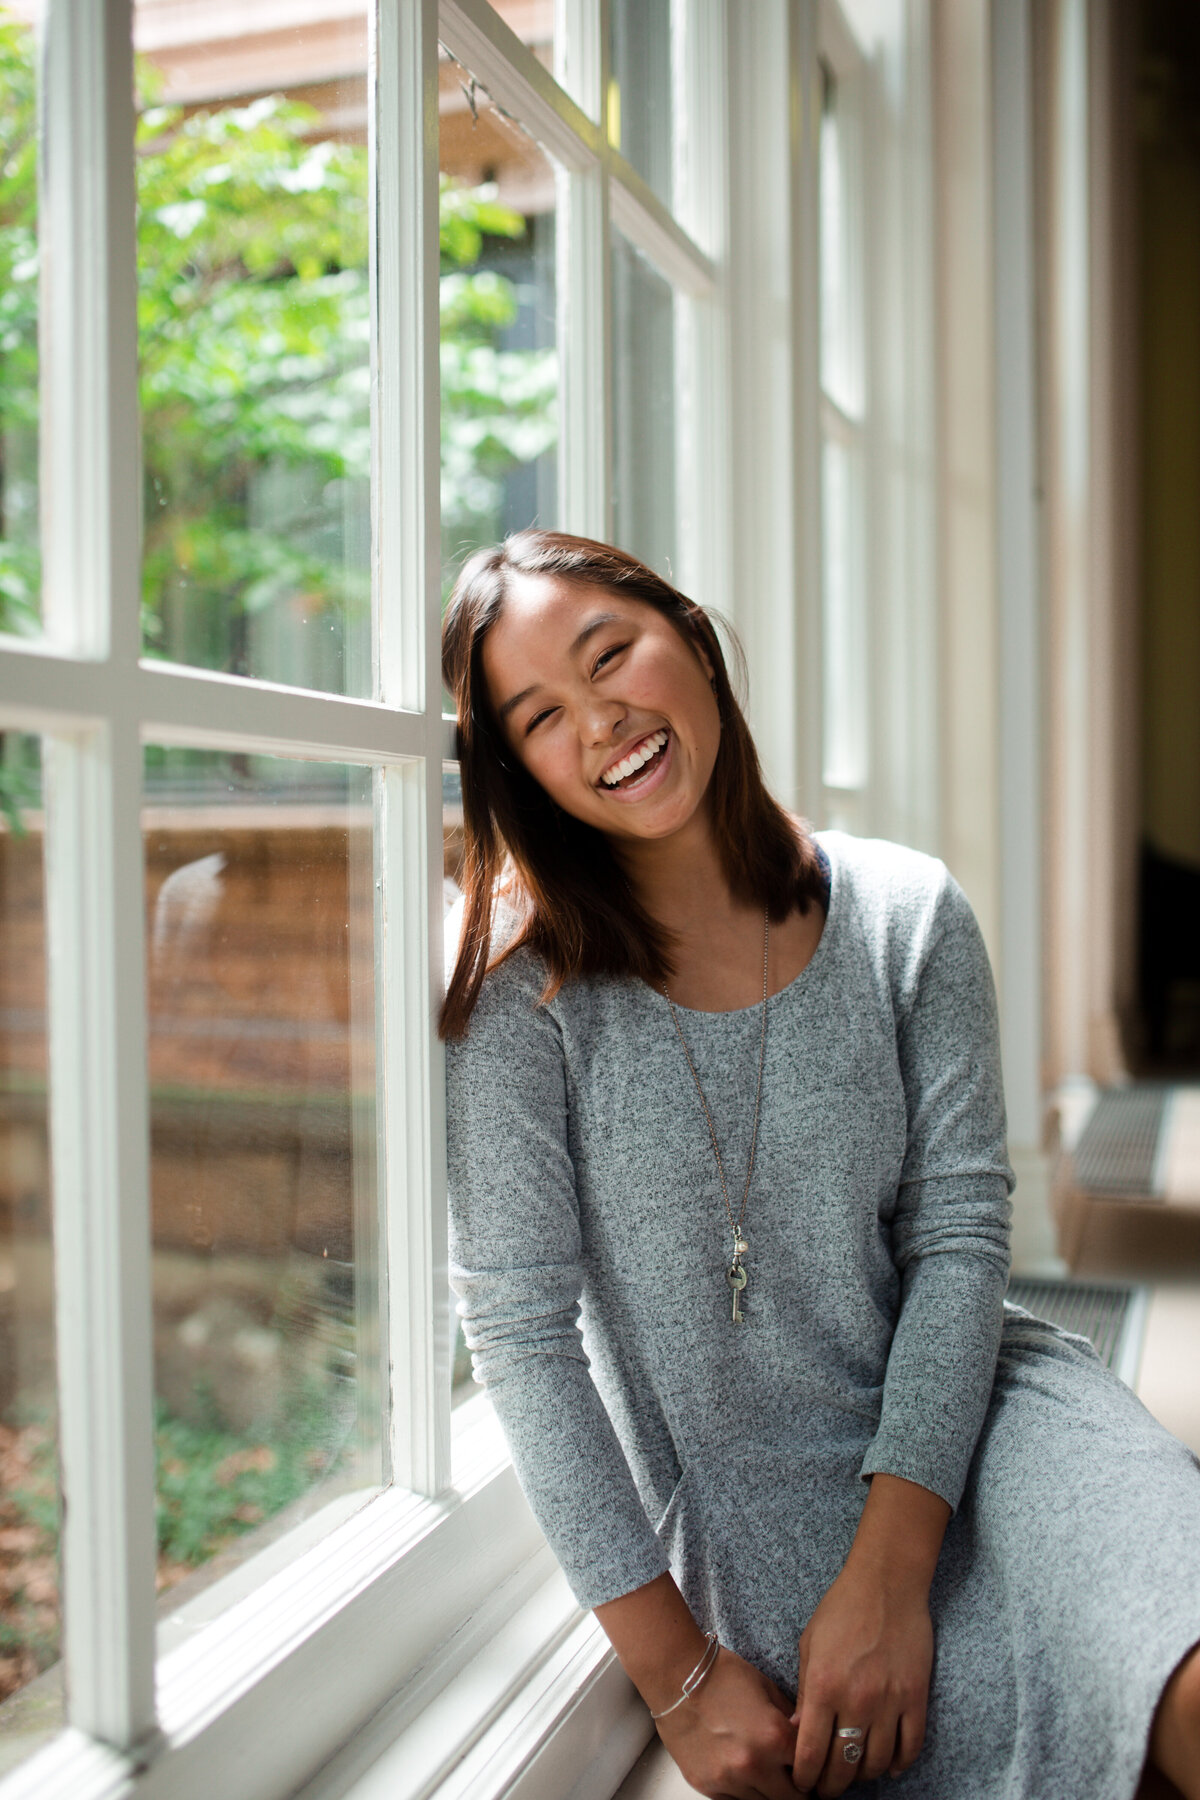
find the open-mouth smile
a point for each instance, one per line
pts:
(640, 768)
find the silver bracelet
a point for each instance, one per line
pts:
(703, 1667)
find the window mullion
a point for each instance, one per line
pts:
(702, 423)
(97, 1033)
(805, 290)
(102, 1226)
(408, 860)
(584, 289)
(90, 452)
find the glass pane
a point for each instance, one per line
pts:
(844, 625)
(30, 1688)
(452, 868)
(841, 261)
(533, 22)
(20, 575)
(644, 427)
(640, 109)
(259, 898)
(499, 356)
(254, 333)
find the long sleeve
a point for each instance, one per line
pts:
(950, 1229)
(515, 1265)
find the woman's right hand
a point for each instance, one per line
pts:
(733, 1739)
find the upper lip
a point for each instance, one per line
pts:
(631, 744)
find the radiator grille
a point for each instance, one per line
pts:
(1111, 1314)
(1118, 1146)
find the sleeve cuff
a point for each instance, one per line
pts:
(926, 1472)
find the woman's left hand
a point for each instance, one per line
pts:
(866, 1657)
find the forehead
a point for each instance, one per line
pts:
(541, 618)
(547, 604)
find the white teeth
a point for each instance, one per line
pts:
(636, 759)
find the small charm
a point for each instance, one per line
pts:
(737, 1279)
(740, 1246)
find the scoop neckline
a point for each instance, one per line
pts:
(800, 979)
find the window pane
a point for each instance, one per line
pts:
(452, 868)
(263, 1151)
(20, 576)
(30, 1689)
(499, 359)
(640, 110)
(533, 23)
(644, 480)
(844, 618)
(254, 332)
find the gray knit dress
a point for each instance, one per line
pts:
(589, 1248)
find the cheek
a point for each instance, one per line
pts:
(550, 762)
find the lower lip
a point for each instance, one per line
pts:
(651, 781)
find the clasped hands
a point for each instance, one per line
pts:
(865, 1660)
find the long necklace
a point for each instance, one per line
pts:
(736, 1273)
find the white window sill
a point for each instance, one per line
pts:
(542, 1711)
(430, 1637)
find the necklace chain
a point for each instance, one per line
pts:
(735, 1225)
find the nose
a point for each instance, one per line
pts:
(600, 722)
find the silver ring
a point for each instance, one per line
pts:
(851, 1736)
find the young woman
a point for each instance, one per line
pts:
(732, 1089)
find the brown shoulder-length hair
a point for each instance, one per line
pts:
(574, 907)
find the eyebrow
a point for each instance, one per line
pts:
(589, 630)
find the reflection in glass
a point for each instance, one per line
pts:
(261, 985)
(644, 434)
(844, 629)
(640, 110)
(30, 1689)
(499, 362)
(254, 337)
(452, 875)
(20, 572)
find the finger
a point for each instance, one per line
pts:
(778, 1698)
(879, 1751)
(909, 1742)
(842, 1768)
(776, 1784)
(813, 1733)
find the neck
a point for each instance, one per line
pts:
(681, 881)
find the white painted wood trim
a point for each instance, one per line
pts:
(90, 486)
(100, 1151)
(405, 385)
(90, 491)
(43, 691)
(804, 196)
(641, 216)
(553, 1716)
(1017, 578)
(475, 33)
(261, 1697)
(585, 330)
(702, 430)
(579, 54)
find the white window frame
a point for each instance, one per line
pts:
(883, 54)
(403, 1598)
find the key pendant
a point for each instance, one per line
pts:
(737, 1278)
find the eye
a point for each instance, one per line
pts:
(537, 719)
(606, 656)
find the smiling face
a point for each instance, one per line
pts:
(605, 703)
